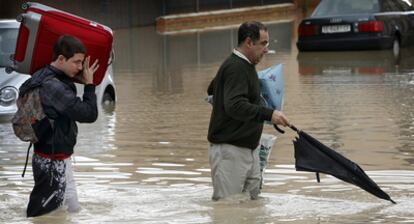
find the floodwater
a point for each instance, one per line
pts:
(146, 161)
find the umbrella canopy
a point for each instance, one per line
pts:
(313, 156)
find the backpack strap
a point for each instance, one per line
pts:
(27, 158)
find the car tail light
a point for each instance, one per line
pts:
(307, 30)
(370, 27)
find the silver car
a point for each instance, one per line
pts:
(10, 83)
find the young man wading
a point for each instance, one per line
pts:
(52, 169)
(237, 117)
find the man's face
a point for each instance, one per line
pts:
(260, 47)
(72, 66)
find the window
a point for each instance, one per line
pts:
(8, 39)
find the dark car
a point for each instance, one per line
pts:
(358, 25)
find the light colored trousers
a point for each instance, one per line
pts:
(71, 194)
(234, 170)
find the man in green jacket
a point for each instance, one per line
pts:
(237, 117)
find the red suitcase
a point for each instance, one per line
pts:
(41, 26)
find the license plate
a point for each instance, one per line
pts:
(336, 29)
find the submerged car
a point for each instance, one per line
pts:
(10, 83)
(358, 25)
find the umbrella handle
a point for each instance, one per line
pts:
(293, 127)
(278, 129)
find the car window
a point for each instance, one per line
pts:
(340, 7)
(8, 39)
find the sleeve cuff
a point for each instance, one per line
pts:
(89, 88)
(267, 114)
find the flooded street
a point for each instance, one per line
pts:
(147, 162)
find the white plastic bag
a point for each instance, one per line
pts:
(266, 144)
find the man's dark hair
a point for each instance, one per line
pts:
(250, 29)
(67, 46)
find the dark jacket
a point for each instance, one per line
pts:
(237, 117)
(63, 108)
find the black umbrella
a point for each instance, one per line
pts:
(313, 156)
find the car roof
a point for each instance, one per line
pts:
(9, 23)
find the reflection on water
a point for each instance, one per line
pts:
(355, 62)
(146, 162)
(367, 92)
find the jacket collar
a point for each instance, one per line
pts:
(59, 74)
(241, 55)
